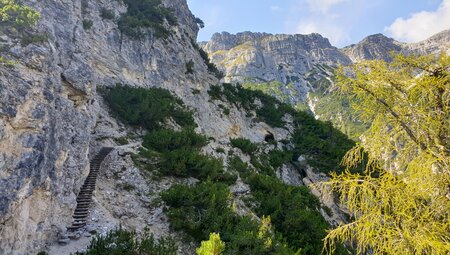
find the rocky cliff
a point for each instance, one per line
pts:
(265, 57)
(298, 69)
(435, 44)
(375, 46)
(52, 118)
(284, 59)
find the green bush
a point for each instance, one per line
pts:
(236, 164)
(190, 67)
(180, 155)
(17, 15)
(321, 143)
(212, 68)
(33, 38)
(107, 14)
(220, 150)
(293, 210)
(262, 164)
(277, 158)
(122, 242)
(87, 24)
(189, 163)
(204, 208)
(225, 110)
(121, 140)
(167, 140)
(146, 14)
(199, 22)
(215, 92)
(186, 162)
(147, 108)
(245, 145)
(271, 112)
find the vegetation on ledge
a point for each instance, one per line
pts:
(322, 144)
(146, 14)
(147, 108)
(122, 242)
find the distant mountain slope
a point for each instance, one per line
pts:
(283, 60)
(375, 46)
(298, 69)
(435, 44)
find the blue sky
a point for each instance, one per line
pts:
(342, 21)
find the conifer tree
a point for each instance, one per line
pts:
(214, 246)
(400, 204)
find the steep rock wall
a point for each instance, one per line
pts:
(49, 108)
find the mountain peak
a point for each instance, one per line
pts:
(377, 38)
(377, 46)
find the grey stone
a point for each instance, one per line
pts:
(64, 241)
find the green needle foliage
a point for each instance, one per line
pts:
(321, 143)
(205, 208)
(401, 203)
(245, 145)
(214, 246)
(147, 108)
(122, 242)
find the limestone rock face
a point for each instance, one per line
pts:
(375, 46)
(435, 44)
(379, 46)
(52, 119)
(50, 109)
(261, 57)
(298, 69)
(287, 61)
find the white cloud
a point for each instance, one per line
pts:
(421, 25)
(323, 5)
(337, 35)
(275, 8)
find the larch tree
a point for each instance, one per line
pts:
(213, 246)
(400, 203)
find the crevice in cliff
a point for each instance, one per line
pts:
(78, 97)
